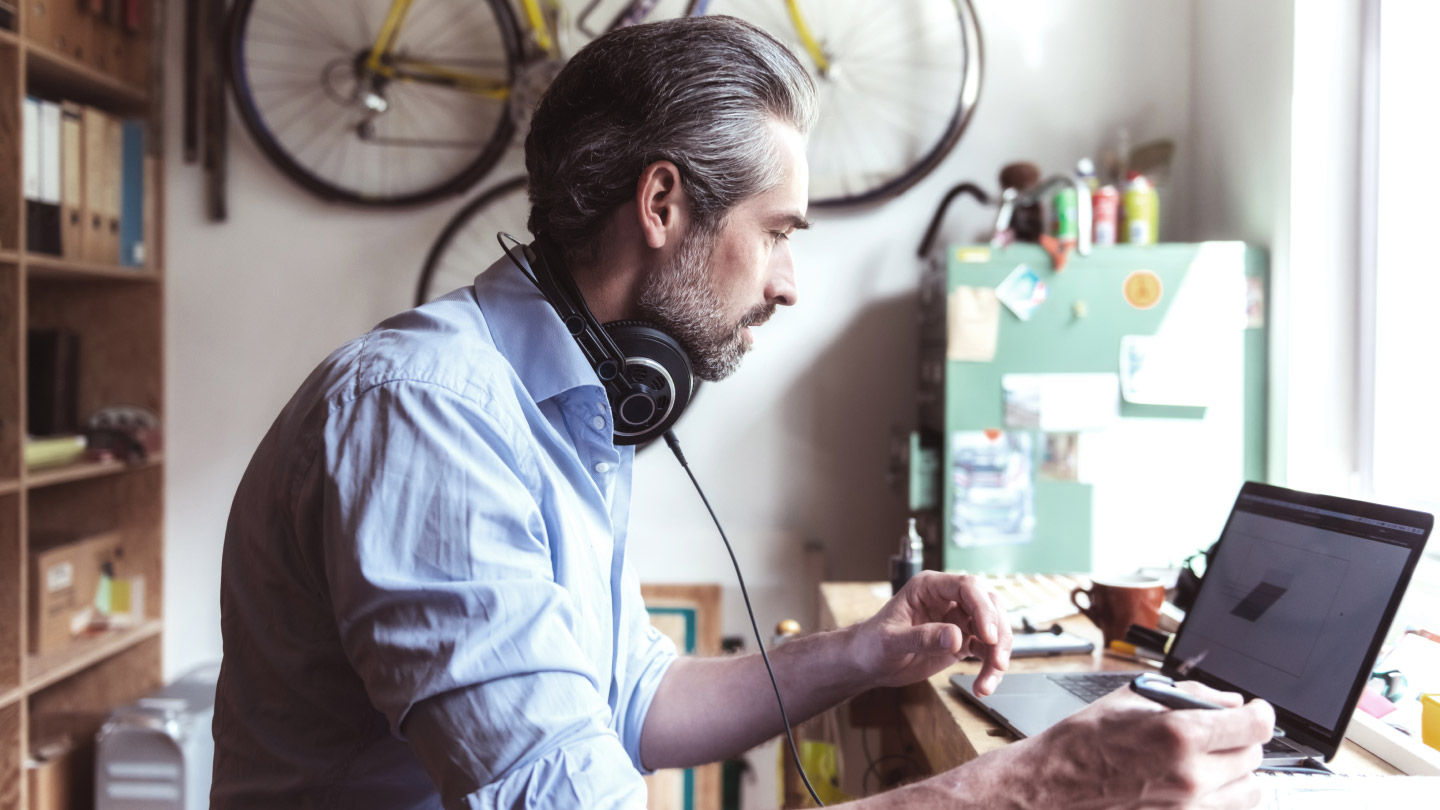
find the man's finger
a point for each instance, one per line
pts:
(968, 592)
(990, 674)
(1007, 638)
(936, 638)
(1229, 729)
(1204, 692)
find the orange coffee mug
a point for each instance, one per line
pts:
(1115, 603)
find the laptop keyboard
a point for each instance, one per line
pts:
(1091, 686)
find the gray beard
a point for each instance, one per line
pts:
(680, 301)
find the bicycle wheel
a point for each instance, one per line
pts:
(467, 245)
(430, 123)
(897, 85)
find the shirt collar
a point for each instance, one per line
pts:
(529, 333)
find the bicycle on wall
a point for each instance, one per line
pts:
(876, 136)
(395, 102)
(400, 102)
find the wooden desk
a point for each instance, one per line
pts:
(950, 731)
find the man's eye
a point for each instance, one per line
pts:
(776, 236)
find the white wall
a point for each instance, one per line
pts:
(1275, 106)
(794, 447)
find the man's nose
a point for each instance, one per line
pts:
(782, 289)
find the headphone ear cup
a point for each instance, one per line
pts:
(660, 378)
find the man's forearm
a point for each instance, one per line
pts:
(709, 709)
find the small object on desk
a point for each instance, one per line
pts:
(1029, 645)
(1148, 638)
(1430, 720)
(1374, 704)
(907, 563)
(1130, 652)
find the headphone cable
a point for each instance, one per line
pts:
(674, 444)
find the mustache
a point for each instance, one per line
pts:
(758, 315)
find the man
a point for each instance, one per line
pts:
(425, 596)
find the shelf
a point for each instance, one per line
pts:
(9, 256)
(6, 698)
(57, 268)
(9, 485)
(60, 74)
(8, 37)
(49, 668)
(50, 476)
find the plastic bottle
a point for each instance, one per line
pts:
(908, 562)
(1085, 170)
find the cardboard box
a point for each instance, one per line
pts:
(64, 576)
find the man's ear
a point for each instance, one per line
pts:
(663, 207)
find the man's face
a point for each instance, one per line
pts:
(720, 285)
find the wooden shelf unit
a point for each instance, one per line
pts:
(118, 314)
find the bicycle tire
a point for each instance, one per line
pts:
(770, 16)
(468, 239)
(448, 182)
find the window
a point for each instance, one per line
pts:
(1400, 296)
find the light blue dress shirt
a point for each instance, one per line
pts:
(424, 592)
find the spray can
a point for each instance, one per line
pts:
(1067, 215)
(1105, 207)
(1142, 211)
(907, 563)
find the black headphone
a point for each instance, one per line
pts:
(646, 374)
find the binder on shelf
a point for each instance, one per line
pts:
(42, 212)
(93, 128)
(132, 193)
(72, 181)
(30, 140)
(114, 146)
(52, 375)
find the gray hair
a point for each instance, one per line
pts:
(696, 91)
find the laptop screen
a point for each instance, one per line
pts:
(1296, 601)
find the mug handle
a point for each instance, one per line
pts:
(1085, 608)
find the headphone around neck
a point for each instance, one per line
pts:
(646, 374)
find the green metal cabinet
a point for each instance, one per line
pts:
(1163, 471)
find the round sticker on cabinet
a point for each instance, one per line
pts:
(1143, 289)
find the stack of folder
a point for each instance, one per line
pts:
(85, 178)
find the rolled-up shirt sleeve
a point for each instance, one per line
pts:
(442, 581)
(650, 653)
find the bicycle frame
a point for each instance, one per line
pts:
(381, 63)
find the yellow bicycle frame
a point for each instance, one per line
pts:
(807, 39)
(411, 71)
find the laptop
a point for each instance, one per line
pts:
(1292, 609)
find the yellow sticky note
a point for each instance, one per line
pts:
(972, 253)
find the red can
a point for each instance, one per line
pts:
(1105, 208)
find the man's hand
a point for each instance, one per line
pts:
(1125, 751)
(935, 619)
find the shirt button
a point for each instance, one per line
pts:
(598, 422)
(602, 467)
